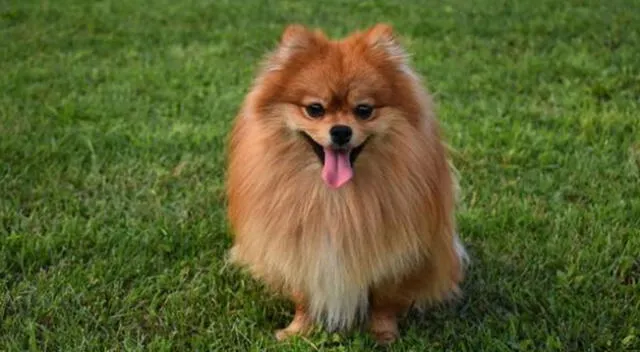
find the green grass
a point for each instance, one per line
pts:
(113, 117)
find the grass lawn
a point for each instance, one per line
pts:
(113, 122)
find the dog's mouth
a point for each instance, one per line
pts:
(319, 149)
(337, 163)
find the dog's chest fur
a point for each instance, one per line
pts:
(335, 297)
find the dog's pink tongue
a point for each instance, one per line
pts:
(337, 168)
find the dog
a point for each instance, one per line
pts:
(340, 192)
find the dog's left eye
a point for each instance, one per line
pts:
(363, 111)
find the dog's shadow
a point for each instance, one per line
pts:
(491, 295)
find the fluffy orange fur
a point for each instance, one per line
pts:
(379, 244)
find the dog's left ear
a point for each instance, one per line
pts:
(382, 37)
(380, 34)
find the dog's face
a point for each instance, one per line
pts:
(339, 96)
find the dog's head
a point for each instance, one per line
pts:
(339, 97)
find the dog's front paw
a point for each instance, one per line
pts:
(284, 334)
(300, 325)
(384, 328)
(386, 337)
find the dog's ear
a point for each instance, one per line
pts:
(382, 37)
(295, 35)
(295, 38)
(380, 34)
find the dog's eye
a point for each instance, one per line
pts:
(314, 110)
(363, 111)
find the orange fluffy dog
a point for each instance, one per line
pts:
(340, 191)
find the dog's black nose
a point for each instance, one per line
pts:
(340, 134)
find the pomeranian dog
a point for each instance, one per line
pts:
(340, 192)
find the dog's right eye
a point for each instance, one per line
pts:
(314, 110)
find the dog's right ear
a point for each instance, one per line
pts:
(295, 35)
(294, 38)
(298, 37)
